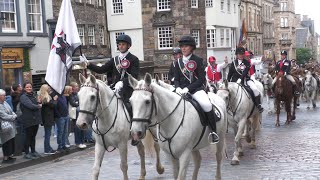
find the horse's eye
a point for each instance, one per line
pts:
(147, 101)
(92, 98)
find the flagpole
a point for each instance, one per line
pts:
(85, 70)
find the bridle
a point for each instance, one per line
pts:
(96, 117)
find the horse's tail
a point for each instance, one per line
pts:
(148, 143)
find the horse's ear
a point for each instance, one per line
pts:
(148, 78)
(157, 78)
(132, 81)
(82, 79)
(93, 79)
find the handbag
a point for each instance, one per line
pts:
(5, 126)
(72, 112)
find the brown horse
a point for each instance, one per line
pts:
(284, 92)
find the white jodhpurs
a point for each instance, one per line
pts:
(253, 88)
(289, 77)
(202, 98)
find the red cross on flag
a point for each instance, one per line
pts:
(66, 39)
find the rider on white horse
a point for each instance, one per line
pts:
(119, 66)
(284, 66)
(177, 54)
(213, 71)
(192, 81)
(239, 72)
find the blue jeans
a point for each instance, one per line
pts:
(47, 134)
(78, 135)
(88, 135)
(67, 132)
(62, 128)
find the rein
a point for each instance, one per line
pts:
(96, 117)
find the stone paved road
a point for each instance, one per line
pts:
(287, 152)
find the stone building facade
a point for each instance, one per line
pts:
(268, 28)
(251, 13)
(285, 28)
(164, 23)
(91, 20)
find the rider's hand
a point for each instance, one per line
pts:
(185, 90)
(118, 86)
(178, 90)
(239, 81)
(84, 60)
(226, 59)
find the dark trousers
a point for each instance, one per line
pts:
(31, 133)
(8, 147)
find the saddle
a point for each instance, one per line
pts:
(203, 118)
(249, 90)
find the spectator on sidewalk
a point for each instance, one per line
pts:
(61, 115)
(47, 113)
(74, 103)
(8, 91)
(17, 90)
(31, 118)
(7, 138)
(67, 92)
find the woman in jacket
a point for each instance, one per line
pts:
(7, 138)
(31, 118)
(47, 113)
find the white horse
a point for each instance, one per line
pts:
(267, 86)
(101, 108)
(243, 116)
(310, 89)
(180, 133)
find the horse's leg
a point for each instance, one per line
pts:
(160, 168)
(308, 100)
(288, 110)
(141, 152)
(314, 94)
(255, 123)
(98, 157)
(175, 166)
(235, 160)
(247, 128)
(183, 164)
(277, 102)
(123, 149)
(197, 162)
(219, 155)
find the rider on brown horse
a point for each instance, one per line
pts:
(283, 66)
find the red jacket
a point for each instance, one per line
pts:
(213, 75)
(251, 71)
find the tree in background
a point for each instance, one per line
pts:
(303, 55)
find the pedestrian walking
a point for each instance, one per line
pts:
(7, 137)
(31, 118)
(47, 113)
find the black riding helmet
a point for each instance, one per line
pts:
(124, 38)
(240, 50)
(187, 40)
(176, 50)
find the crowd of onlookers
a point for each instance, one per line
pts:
(21, 107)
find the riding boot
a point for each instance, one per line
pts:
(295, 90)
(258, 103)
(212, 124)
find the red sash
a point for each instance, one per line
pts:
(251, 70)
(213, 74)
(280, 65)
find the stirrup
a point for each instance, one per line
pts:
(213, 138)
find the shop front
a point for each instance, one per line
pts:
(12, 64)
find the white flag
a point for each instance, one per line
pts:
(66, 40)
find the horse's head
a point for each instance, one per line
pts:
(266, 81)
(88, 101)
(308, 79)
(223, 91)
(142, 102)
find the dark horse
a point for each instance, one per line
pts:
(284, 92)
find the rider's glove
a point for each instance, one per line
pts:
(84, 60)
(178, 90)
(118, 86)
(185, 90)
(239, 81)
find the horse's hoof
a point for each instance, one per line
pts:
(293, 118)
(253, 146)
(234, 162)
(142, 178)
(277, 124)
(314, 106)
(287, 122)
(160, 170)
(241, 154)
(248, 139)
(308, 107)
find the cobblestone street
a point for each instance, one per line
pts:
(287, 152)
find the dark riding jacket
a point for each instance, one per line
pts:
(110, 66)
(198, 80)
(237, 70)
(285, 67)
(171, 73)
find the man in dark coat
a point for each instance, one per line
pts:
(189, 77)
(239, 72)
(177, 54)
